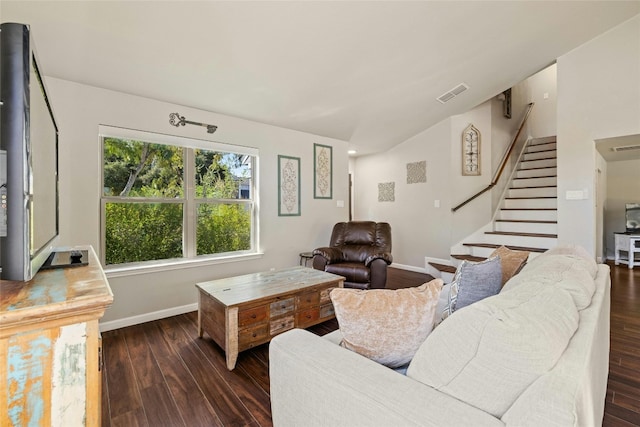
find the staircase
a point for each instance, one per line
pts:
(528, 216)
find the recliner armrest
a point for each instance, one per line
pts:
(385, 256)
(332, 255)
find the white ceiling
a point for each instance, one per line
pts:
(364, 72)
(606, 147)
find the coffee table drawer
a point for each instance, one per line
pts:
(249, 337)
(327, 310)
(253, 315)
(308, 299)
(278, 326)
(324, 295)
(307, 317)
(280, 307)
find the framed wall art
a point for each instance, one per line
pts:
(471, 151)
(322, 171)
(288, 186)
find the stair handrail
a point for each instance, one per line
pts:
(503, 163)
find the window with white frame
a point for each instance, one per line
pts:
(167, 197)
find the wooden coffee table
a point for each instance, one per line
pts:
(242, 312)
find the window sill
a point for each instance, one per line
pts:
(177, 264)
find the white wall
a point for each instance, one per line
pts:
(623, 186)
(79, 110)
(598, 97)
(419, 228)
(543, 119)
(502, 132)
(478, 212)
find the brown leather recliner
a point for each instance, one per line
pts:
(359, 251)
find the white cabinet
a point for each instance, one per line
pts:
(627, 246)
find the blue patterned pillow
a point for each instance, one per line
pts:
(473, 282)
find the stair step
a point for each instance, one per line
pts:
(535, 160)
(464, 257)
(534, 182)
(526, 224)
(539, 155)
(544, 150)
(543, 141)
(537, 177)
(530, 202)
(529, 198)
(529, 209)
(534, 214)
(536, 172)
(443, 267)
(512, 233)
(513, 248)
(538, 163)
(533, 186)
(541, 147)
(531, 221)
(532, 192)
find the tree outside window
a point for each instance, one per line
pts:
(165, 201)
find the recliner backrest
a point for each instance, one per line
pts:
(360, 239)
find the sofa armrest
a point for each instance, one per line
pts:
(385, 256)
(315, 382)
(332, 255)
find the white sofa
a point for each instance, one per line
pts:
(496, 362)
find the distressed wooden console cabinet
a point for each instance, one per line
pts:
(241, 312)
(50, 347)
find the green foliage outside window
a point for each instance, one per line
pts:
(143, 232)
(223, 228)
(137, 228)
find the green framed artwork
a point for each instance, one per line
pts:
(288, 186)
(322, 171)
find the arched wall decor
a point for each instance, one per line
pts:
(471, 151)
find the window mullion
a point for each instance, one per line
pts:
(190, 220)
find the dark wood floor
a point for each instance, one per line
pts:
(161, 374)
(622, 405)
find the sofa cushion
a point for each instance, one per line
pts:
(569, 272)
(386, 325)
(473, 281)
(512, 261)
(490, 352)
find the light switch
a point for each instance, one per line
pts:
(436, 203)
(576, 194)
(340, 203)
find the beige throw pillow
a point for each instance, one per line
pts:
(512, 261)
(384, 325)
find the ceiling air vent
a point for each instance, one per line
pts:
(452, 93)
(626, 148)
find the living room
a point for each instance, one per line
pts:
(602, 66)
(147, 294)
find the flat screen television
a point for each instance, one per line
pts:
(29, 218)
(632, 216)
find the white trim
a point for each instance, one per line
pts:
(147, 317)
(133, 269)
(408, 268)
(429, 259)
(161, 138)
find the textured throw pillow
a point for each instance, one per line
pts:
(384, 325)
(512, 261)
(473, 282)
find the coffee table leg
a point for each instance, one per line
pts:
(200, 330)
(231, 337)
